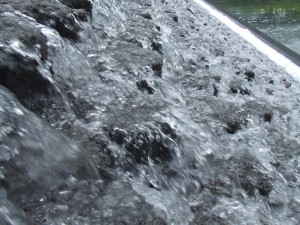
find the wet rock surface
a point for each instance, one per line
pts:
(138, 112)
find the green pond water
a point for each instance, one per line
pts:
(279, 19)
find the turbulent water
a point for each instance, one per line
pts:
(141, 112)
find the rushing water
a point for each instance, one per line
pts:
(135, 112)
(278, 19)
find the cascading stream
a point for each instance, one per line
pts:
(141, 112)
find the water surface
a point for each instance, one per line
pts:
(277, 19)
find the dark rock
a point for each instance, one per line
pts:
(250, 75)
(250, 175)
(148, 143)
(143, 85)
(66, 31)
(118, 135)
(201, 87)
(221, 188)
(129, 57)
(153, 185)
(217, 79)
(101, 67)
(161, 152)
(234, 90)
(168, 130)
(103, 158)
(259, 109)
(157, 69)
(291, 178)
(175, 19)
(138, 144)
(233, 127)
(22, 76)
(183, 35)
(238, 88)
(99, 140)
(269, 91)
(135, 41)
(275, 164)
(244, 91)
(248, 186)
(107, 173)
(40, 158)
(268, 117)
(286, 83)
(54, 15)
(136, 211)
(191, 66)
(204, 213)
(156, 46)
(147, 16)
(80, 105)
(27, 33)
(216, 91)
(264, 186)
(79, 4)
(204, 59)
(219, 52)
(34, 40)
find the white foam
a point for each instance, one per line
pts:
(53, 39)
(18, 47)
(18, 111)
(245, 33)
(18, 13)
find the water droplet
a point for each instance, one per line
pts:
(42, 199)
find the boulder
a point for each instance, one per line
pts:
(33, 156)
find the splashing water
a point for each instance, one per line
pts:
(141, 112)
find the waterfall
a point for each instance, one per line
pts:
(141, 112)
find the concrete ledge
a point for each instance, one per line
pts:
(281, 49)
(281, 55)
